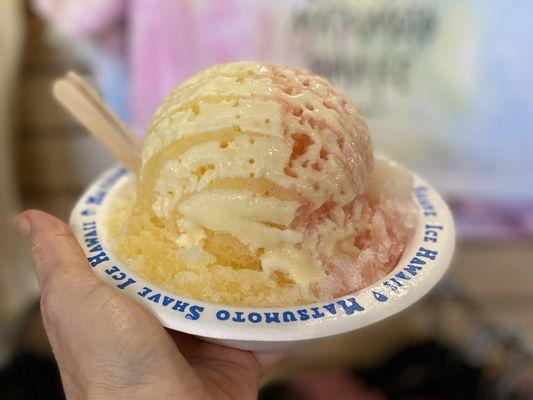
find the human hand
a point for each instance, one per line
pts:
(107, 346)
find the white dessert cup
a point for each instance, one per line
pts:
(422, 265)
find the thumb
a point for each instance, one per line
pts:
(62, 270)
(66, 284)
(55, 251)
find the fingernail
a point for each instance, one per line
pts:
(23, 226)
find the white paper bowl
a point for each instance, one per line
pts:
(422, 265)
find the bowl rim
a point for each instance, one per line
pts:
(421, 266)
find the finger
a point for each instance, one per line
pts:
(268, 359)
(190, 345)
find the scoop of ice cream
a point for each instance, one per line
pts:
(252, 183)
(247, 153)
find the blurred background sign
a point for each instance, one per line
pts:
(443, 85)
